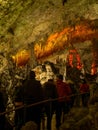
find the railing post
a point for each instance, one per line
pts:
(50, 105)
(24, 113)
(25, 106)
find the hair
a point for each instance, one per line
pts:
(84, 81)
(60, 76)
(32, 74)
(50, 79)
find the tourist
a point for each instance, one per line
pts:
(18, 102)
(50, 92)
(64, 91)
(85, 93)
(74, 92)
(32, 93)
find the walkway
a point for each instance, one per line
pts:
(53, 123)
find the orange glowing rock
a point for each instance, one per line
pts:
(21, 58)
(73, 54)
(93, 68)
(59, 40)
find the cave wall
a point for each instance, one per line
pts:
(33, 21)
(23, 22)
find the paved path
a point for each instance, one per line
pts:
(53, 123)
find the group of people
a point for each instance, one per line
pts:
(55, 95)
(36, 101)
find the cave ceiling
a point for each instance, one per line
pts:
(26, 22)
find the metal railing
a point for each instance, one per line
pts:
(37, 103)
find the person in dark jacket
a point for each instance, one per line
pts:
(85, 91)
(18, 102)
(32, 94)
(74, 92)
(50, 92)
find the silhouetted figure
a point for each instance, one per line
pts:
(50, 92)
(18, 102)
(85, 91)
(64, 91)
(74, 92)
(33, 93)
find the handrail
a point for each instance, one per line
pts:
(41, 102)
(37, 103)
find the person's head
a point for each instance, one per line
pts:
(32, 74)
(51, 80)
(60, 77)
(83, 81)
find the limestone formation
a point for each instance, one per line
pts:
(26, 23)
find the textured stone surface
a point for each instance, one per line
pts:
(23, 22)
(26, 21)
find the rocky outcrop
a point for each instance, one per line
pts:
(81, 119)
(23, 22)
